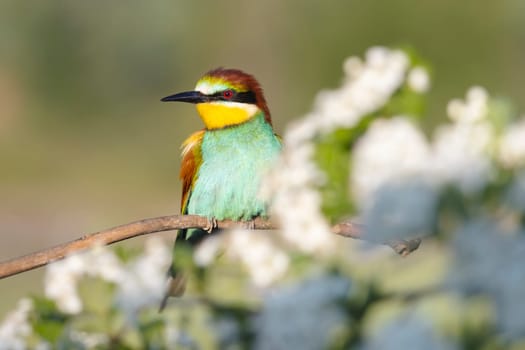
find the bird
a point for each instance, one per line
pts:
(224, 163)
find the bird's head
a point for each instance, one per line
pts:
(225, 97)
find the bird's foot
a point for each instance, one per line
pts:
(211, 225)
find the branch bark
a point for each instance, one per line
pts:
(167, 223)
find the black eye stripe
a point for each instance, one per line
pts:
(245, 97)
(242, 97)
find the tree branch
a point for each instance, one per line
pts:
(166, 223)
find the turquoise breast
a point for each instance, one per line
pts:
(234, 160)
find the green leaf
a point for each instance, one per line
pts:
(152, 331)
(333, 157)
(49, 330)
(333, 154)
(405, 102)
(96, 295)
(501, 112)
(126, 253)
(47, 321)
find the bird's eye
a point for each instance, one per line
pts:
(227, 94)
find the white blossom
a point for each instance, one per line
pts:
(460, 155)
(305, 226)
(461, 150)
(206, 252)
(61, 281)
(511, 150)
(390, 150)
(143, 282)
(264, 260)
(15, 327)
(295, 201)
(62, 277)
(90, 340)
(418, 79)
(473, 108)
(367, 86)
(353, 66)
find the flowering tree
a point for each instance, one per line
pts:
(360, 152)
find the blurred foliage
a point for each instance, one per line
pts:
(85, 144)
(333, 150)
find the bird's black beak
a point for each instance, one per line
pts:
(187, 96)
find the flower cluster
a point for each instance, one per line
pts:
(395, 149)
(94, 299)
(293, 185)
(139, 283)
(390, 150)
(461, 149)
(266, 262)
(397, 174)
(15, 328)
(62, 277)
(512, 146)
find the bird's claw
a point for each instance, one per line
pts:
(211, 225)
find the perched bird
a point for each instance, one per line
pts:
(223, 164)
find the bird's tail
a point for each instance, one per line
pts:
(175, 287)
(182, 261)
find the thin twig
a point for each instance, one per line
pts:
(354, 230)
(165, 223)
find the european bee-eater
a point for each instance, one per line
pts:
(223, 164)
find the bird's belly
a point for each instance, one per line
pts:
(227, 188)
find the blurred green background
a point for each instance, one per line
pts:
(85, 143)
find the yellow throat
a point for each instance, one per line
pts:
(217, 115)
